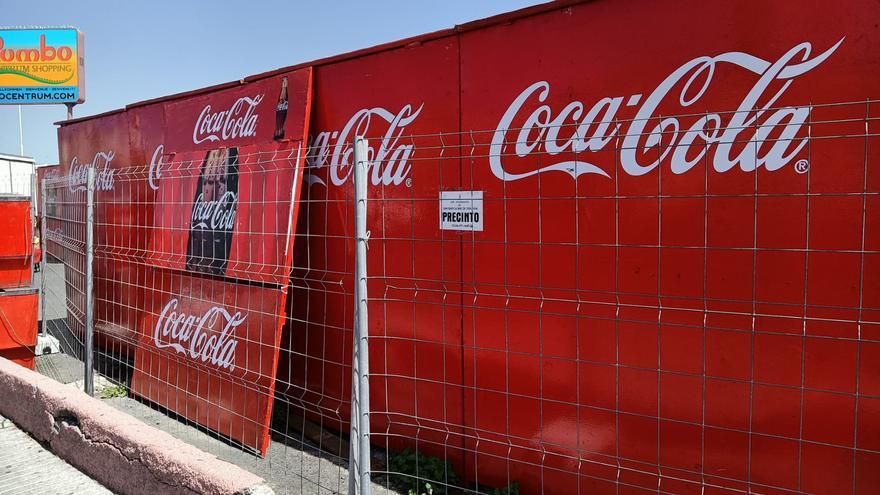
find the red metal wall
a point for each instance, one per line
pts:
(104, 145)
(633, 341)
(408, 248)
(630, 339)
(707, 318)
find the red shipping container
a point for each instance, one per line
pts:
(18, 325)
(663, 284)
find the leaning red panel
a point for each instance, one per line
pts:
(207, 350)
(226, 152)
(227, 211)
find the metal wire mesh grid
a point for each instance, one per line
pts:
(680, 331)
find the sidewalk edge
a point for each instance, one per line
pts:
(121, 452)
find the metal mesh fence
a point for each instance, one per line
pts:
(62, 232)
(681, 313)
(219, 409)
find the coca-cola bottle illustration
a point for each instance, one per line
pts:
(213, 213)
(281, 111)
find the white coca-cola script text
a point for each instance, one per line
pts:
(239, 121)
(55, 235)
(156, 167)
(79, 173)
(196, 336)
(215, 215)
(389, 162)
(533, 127)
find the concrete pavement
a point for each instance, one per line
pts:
(121, 452)
(26, 467)
(292, 467)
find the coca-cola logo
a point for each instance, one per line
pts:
(155, 172)
(389, 163)
(78, 177)
(532, 127)
(55, 235)
(239, 121)
(215, 215)
(197, 337)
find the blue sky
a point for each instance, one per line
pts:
(140, 50)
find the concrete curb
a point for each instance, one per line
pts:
(124, 454)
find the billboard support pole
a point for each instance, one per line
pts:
(359, 460)
(43, 256)
(69, 110)
(89, 378)
(20, 134)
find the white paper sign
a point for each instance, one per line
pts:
(461, 210)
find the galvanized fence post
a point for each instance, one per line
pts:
(359, 460)
(88, 337)
(43, 256)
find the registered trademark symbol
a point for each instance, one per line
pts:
(802, 166)
(409, 182)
